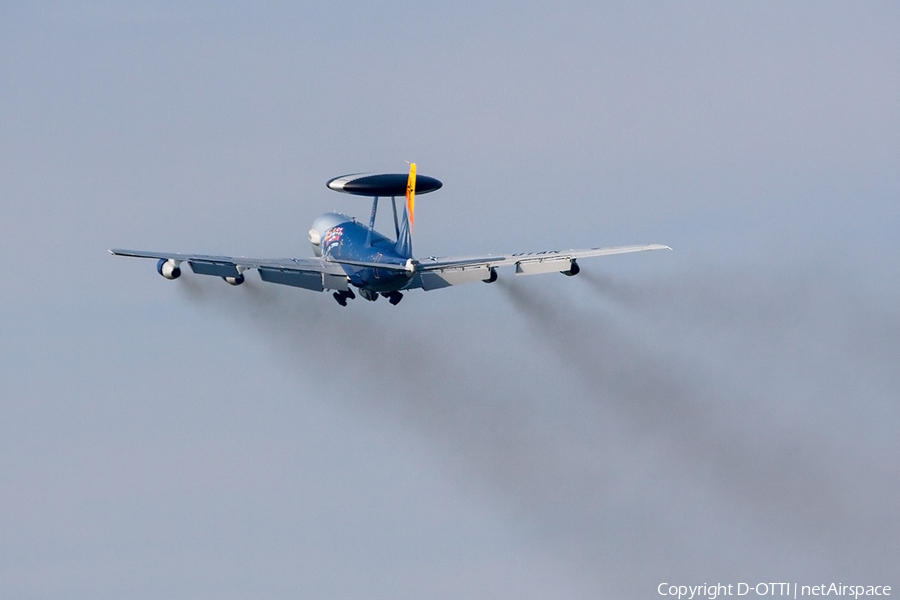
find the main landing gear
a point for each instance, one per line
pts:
(343, 295)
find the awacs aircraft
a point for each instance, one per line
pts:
(352, 255)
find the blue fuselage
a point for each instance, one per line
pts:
(344, 239)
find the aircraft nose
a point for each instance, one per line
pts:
(320, 226)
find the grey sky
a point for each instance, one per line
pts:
(727, 411)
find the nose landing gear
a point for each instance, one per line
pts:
(368, 294)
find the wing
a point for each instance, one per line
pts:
(434, 273)
(310, 273)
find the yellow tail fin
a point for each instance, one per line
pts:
(411, 196)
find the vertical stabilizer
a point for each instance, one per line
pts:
(411, 197)
(404, 240)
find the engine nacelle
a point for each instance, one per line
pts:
(235, 280)
(573, 270)
(168, 268)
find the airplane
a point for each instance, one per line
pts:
(349, 254)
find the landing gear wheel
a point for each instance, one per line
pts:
(394, 298)
(341, 298)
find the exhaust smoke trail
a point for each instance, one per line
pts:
(613, 450)
(782, 476)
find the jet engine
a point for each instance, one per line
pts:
(168, 268)
(235, 280)
(573, 270)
